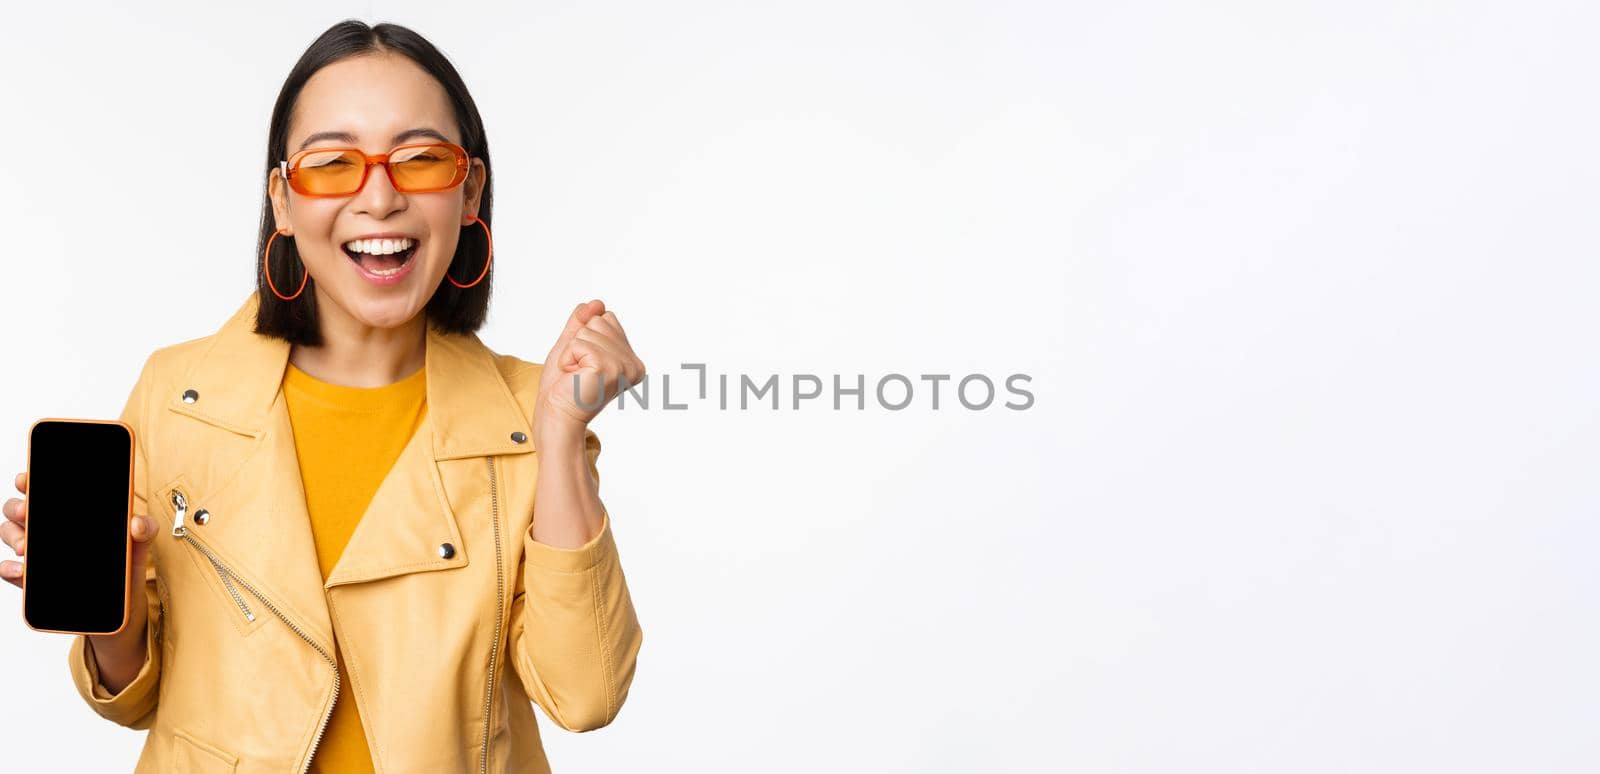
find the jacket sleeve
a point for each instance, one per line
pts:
(574, 636)
(133, 706)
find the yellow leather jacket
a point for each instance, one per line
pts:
(450, 617)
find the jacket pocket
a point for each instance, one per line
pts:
(192, 756)
(240, 611)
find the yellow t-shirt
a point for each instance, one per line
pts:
(347, 439)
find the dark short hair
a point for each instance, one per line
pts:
(451, 309)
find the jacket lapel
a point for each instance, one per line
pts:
(237, 381)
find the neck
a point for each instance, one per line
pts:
(356, 354)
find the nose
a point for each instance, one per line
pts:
(377, 196)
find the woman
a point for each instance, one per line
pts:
(369, 543)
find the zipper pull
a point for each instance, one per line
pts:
(182, 504)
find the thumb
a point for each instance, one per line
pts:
(142, 527)
(580, 317)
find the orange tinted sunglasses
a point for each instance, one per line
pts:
(416, 168)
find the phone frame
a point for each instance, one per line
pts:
(127, 529)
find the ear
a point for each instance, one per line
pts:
(278, 192)
(473, 188)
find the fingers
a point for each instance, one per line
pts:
(12, 529)
(575, 322)
(608, 323)
(582, 314)
(609, 356)
(596, 351)
(13, 532)
(593, 339)
(580, 317)
(14, 536)
(610, 329)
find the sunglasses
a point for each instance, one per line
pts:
(418, 168)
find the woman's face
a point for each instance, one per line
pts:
(374, 98)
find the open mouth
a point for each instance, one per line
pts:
(381, 265)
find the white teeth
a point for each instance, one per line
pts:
(379, 246)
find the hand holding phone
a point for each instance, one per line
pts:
(75, 586)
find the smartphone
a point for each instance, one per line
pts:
(75, 577)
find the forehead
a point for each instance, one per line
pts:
(374, 97)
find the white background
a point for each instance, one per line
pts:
(1307, 294)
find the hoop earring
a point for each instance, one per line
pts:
(266, 267)
(486, 260)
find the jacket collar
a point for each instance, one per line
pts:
(472, 409)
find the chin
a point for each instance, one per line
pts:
(391, 309)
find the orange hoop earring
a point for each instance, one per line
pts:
(486, 260)
(266, 267)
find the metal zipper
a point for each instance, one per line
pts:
(499, 607)
(180, 530)
(248, 616)
(181, 505)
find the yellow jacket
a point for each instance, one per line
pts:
(450, 616)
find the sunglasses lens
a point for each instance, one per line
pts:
(425, 167)
(335, 172)
(328, 172)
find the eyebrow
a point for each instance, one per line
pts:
(350, 138)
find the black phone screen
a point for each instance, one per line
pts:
(79, 496)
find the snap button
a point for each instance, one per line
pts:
(446, 550)
(202, 516)
(190, 396)
(519, 436)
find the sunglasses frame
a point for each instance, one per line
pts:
(289, 167)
